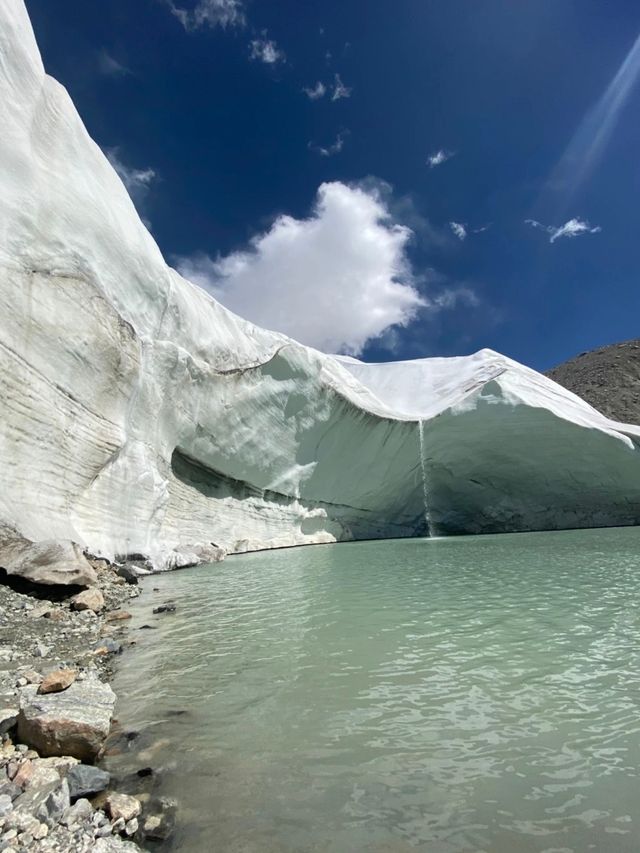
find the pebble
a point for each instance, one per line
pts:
(41, 651)
(43, 801)
(131, 827)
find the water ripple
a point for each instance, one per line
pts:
(476, 694)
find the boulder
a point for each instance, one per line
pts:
(56, 681)
(48, 803)
(74, 722)
(128, 574)
(85, 780)
(50, 562)
(88, 599)
(160, 822)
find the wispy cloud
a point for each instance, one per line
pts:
(265, 50)
(335, 148)
(339, 89)
(573, 228)
(316, 92)
(110, 67)
(455, 295)
(481, 228)
(459, 229)
(437, 158)
(137, 181)
(211, 13)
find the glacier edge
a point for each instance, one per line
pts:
(141, 416)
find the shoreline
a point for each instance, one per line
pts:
(59, 650)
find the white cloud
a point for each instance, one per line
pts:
(334, 148)
(212, 13)
(572, 228)
(437, 158)
(334, 281)
(316, 92)
(110, 67)
(459, 229)
(453, 296)
(265, 50)
(137, 181)
(339, 89)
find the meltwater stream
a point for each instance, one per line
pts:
(440, 695)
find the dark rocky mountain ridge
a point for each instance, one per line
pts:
(608, 378)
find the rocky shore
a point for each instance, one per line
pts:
(58, 644)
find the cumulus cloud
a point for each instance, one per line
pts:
(109, 65)
(334, 281)
(334, 148)
(212, 13)
(265, 50)
(437, 158)
(339, 89)
(316, 92)
(459, 229)
(573, 228)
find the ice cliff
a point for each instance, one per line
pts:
(140, 416)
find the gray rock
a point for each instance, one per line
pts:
(74, 722)
(79, 812)
(114, 845)
(47, 562)
(48, 803)
(6, 805)
(41, 610)
(131, 827)
(128, 573)
(85, 780)
(10, 789)
(8, 719)
(161, 819)
(168, 607)
(41, 651)
(113, 647)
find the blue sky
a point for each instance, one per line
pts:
(383, 212)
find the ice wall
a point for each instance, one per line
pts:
(140, 416)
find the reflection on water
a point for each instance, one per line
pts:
(444, 695)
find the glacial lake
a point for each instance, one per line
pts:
(443, 695)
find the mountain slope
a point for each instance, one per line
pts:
(608, 378)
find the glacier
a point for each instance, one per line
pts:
(139, 416)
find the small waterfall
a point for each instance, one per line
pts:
(425, 481)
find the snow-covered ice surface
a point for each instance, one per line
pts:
(140, 416)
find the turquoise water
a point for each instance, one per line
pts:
(467, 694)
